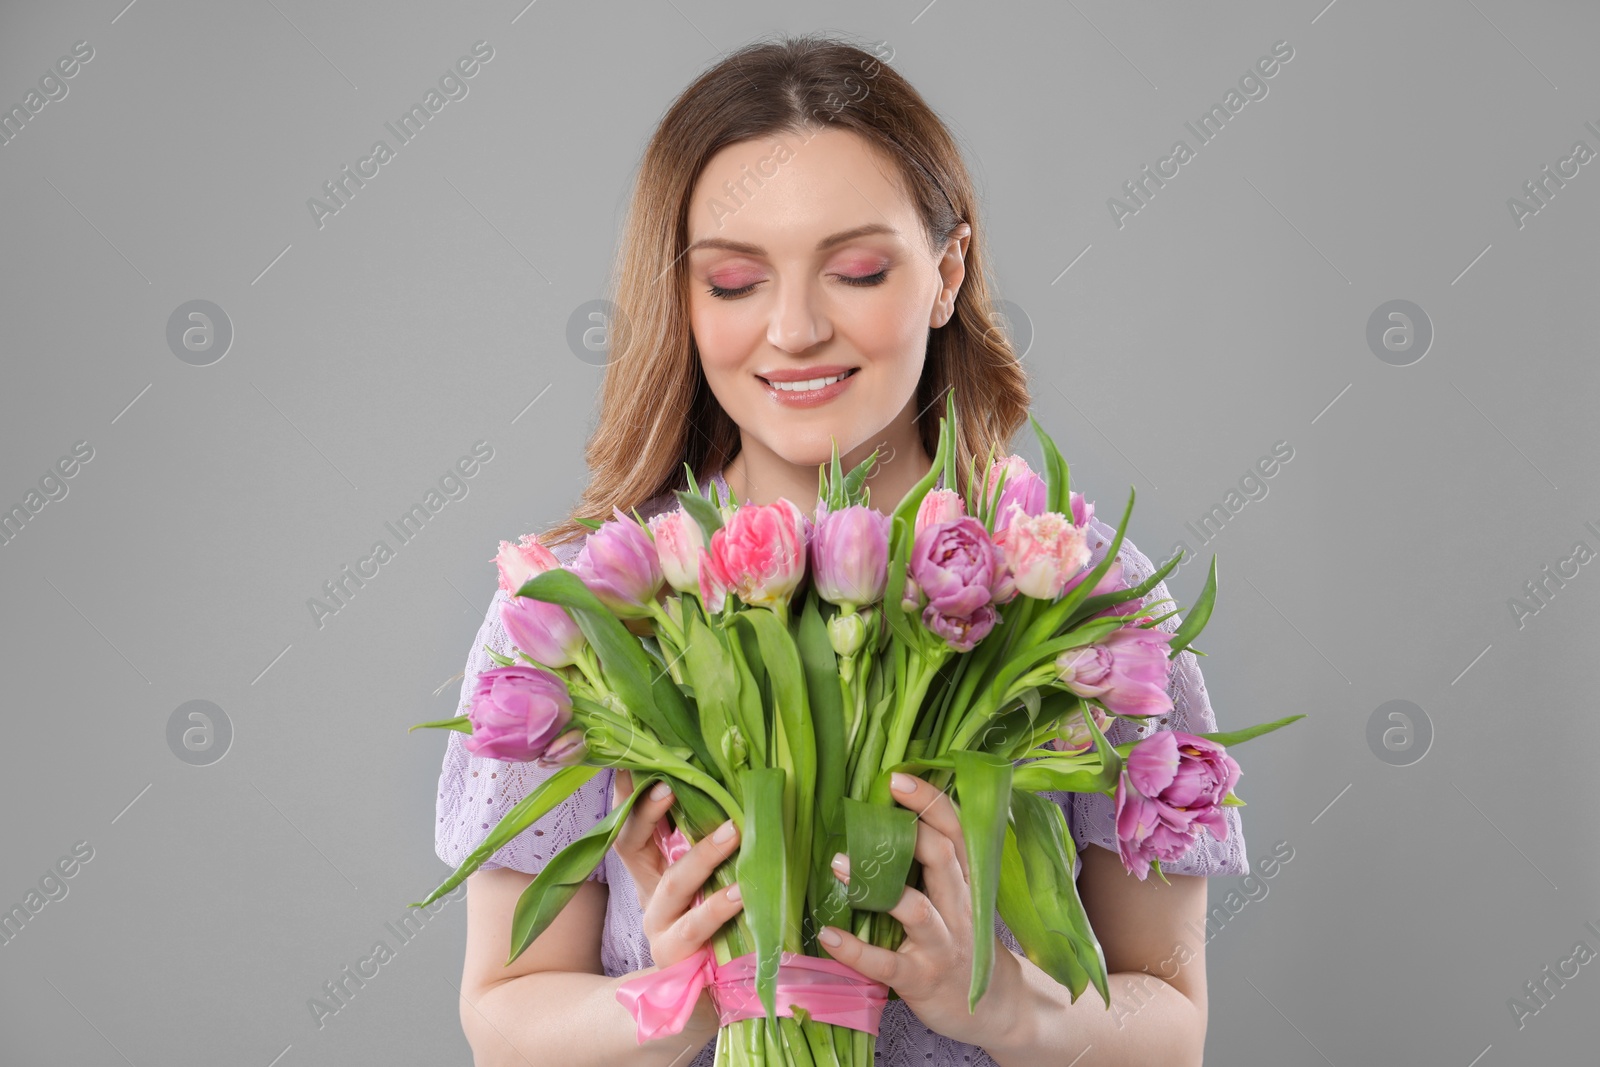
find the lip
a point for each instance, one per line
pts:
(800, 374)
(810, 397)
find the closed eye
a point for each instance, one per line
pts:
(869, 279)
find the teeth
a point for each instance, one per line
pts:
(814, 383)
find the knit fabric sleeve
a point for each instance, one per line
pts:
(475, 792)
(1092, 816)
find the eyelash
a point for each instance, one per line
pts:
(864, 280)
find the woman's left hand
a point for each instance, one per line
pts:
(932, 968)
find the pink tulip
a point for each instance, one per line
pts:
(760, 554)
(679, 540)
(1126, 671)
(618, 563)
(850, 555)
(516, 712)
(1024, 491)
(542, 630)
(1042, 552)
(1172, 785)
(521, 561)
(940, 505)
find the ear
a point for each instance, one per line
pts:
(952, 271)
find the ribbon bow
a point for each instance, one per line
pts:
(827, 990)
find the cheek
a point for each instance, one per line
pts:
(723, 341)
(892, 335)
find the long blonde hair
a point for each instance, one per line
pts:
(656, 410)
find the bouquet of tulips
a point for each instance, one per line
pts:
(777, 670)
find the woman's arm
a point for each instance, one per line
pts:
(1156, 968)
(554, 1003)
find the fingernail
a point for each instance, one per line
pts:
(725, 832)
(660, 791)
(902, 783)
(841, 863)
(733, 891)
(829, 937)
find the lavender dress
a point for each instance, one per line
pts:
(474, 793)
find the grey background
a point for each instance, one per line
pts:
(1228, 314)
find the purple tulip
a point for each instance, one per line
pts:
(619, 564)
(961, 632)
(516, 712)
(1172, 785)
(1126, 671)
(850, 555)
(956, 566)
(542, 630)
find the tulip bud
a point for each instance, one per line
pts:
(679, 540)
(847, 633)
(567, 750)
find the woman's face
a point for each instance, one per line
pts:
(806, 261)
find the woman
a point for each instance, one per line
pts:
(802, 264)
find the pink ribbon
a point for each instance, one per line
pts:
(827, 990)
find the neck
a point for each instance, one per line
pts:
(758, 475)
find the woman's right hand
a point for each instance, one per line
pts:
(674, 925)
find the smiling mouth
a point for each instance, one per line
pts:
(810, 384)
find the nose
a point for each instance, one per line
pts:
(798, 322)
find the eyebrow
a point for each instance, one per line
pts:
(823, 245)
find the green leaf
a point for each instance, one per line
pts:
(764, 875)
(795, 737)
(1048, 856)
(503, 661)
(856, 478)
(558, 881)
(1198, 615)
(752, 711)
(1050, 949)
(827, 719)
(539, 802)
(703, 512)
(1057, 477)
(1229, 738)
(948, 461)
(458, 723)
(881, 841)
(593, 524)
(709, 664)
(983, 784)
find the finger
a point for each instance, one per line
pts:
(701, 923)
(942, 871)
(873, 961)
(689, 872)
(921, 917)
(936, 808)
(636, 838)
